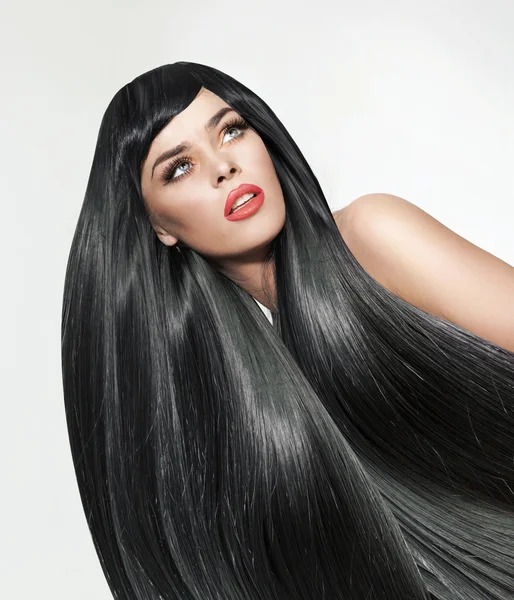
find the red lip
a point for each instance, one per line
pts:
(244, 188)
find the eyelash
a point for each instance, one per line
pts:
(167, 175)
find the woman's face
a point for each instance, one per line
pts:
(186, 194)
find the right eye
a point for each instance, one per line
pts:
(167, 174)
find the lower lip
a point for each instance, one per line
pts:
(248, 209)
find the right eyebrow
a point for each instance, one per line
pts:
(183, 146)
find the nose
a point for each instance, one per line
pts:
(226, 169)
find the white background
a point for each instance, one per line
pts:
(410, 98)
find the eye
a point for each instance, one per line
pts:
(168, 172)
(236, 123)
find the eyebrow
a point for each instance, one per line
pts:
(209, 126)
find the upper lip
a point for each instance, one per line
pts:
(244, 188)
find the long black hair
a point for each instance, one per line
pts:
(358, 448)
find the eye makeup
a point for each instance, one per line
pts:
(236, 122)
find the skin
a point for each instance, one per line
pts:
(399, 245)
(191, 209)
(430, 266)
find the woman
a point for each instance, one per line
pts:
(360, 448)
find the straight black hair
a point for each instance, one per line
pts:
(358, 448)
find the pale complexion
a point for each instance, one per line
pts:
(190, 206)
(432, 267)
(401, 246)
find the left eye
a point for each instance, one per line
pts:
(237, 124)
(232, 128)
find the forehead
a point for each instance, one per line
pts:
(191, 121)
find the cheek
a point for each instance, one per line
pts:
(261, 160)
(176, 205)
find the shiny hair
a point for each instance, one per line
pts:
(357, 448)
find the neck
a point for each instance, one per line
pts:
(256, 276)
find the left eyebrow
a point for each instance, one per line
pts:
(183, 146)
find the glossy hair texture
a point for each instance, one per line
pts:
(359, 448)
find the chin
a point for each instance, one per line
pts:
(265, 226)
(254, 243)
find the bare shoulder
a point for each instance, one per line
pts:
(361, 223)
(418, 258)
(391, 237)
